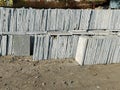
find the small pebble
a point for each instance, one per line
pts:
(71, 82)
(28, 60)
(65, 83)
(98, 87)
(43, 84)
(21, 69)
(5, 84)
(54, 83)
(48, 70)
(95, 74)
(34, 64)
(60, 67)
(37, 77)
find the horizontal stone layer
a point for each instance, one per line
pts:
(35, 20)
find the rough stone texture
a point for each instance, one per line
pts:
(81, 49)
(4, 45)
(26, 20)
(54, 47)
(21, 45)
(98, 50)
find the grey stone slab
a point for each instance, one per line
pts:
(118, 57)
(10, 44)
(69, 52)
(67, 20)
(94, 50)
(13, 20)
(54, 48)
(62, 44)
(92, 22)
(0, 45)
(21, 45)
(19, 19)
(48, 19)
(71, 19)
(74, 19)
(104, 19)
(4, 45)
(112, 50)
(41, 47)
(46, 46)
(81, 50)
(85, 19)
(116, 53)
(60, 19)
(88, 51)
(1, 18)
(31, 19)
(50, 47)
(35, 51)
(5, 20)
(75, 44)
(104, 51)
(25, 20)
(112, 20)
(37, 20)
(53, 19)
(117, 19)
(44, 20)
(98, 49)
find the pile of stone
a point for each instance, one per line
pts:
(90, 36)
(98, 50)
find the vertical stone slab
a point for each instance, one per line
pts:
(98, 50)
(0, 45)
(35, 52)
(21, 45)
(81, 49)
(31, 19)
(41, 47)
(54, 47)
(9, 44)
(4, 45)
(88, 51)
(69, 51)
(62, 44)
(75, 44)
(85, 19)
(46, 46)
(111, 54)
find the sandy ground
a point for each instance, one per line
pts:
(20, 73)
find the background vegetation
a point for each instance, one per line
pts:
(55, 4)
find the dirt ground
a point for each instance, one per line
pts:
(20, 73)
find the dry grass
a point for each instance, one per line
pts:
(2, 3)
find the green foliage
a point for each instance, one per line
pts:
(6, 3)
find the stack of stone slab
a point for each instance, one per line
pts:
(18, 45)
(56, 33)
(34, 20)
(98, 50)
(55, 47)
